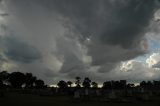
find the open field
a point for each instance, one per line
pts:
(15, 99)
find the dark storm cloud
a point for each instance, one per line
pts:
(19, 51)
(133, 19)
(112, 22)
(109, 23)
(50, 73)
(79, 37)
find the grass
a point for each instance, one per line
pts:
(16, 99)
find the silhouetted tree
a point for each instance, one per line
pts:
(1, 83)
(30, 80)
(107, 85)
(39, 83)
(17, 79)
(78, 82)
(86, 83)
(130, 85)
(69, 83)
(156, 84)
(116, 84)
(4, 77)
(94, 85)
(122, 84)
(62, 84)
(143, 84)
(149, 84)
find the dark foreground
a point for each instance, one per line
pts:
(16, 99)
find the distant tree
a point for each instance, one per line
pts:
(156, 84)
(69, 83)
(104, 85)
(143, 84)
(39, 84)
(62, 84)
(78, 82)
(17, 79)
(122, 84)
(94, 85)
(116, 85)
(4, 76)
(86, 83)
(1, 83)
(107, 85)
(149, 84)
(130, 85)
(30, 80)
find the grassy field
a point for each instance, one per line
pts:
(15, 99)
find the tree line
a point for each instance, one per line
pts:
(28, 80)
(19, 79)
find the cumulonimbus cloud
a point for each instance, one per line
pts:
(77, 37)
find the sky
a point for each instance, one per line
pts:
(100, 39)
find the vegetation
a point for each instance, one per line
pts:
(28, 80)
(17, 85)
(19, 79)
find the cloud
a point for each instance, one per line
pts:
(157, 65)
(138, 71)
(153, 59)
(77, 38)
(109, 25)
(19, 51)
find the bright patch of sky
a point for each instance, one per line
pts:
(154, 44)
(153, 47)
(142, 58)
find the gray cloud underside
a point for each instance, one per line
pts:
(19, 51)
(77, 38)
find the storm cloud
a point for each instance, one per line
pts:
(19, 51)
(69, 38)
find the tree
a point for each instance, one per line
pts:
(78, 82)
(69, 83)
(17, 79)
(62, 84)
(130, 85)
(4, 76)
(39, 83)
(94, 85)
(143, 84)
(149, 84)
(156, 84)
(1, 83)
(30, 80)
(107, 85)
(86, 82)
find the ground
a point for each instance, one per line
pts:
(16, 99)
